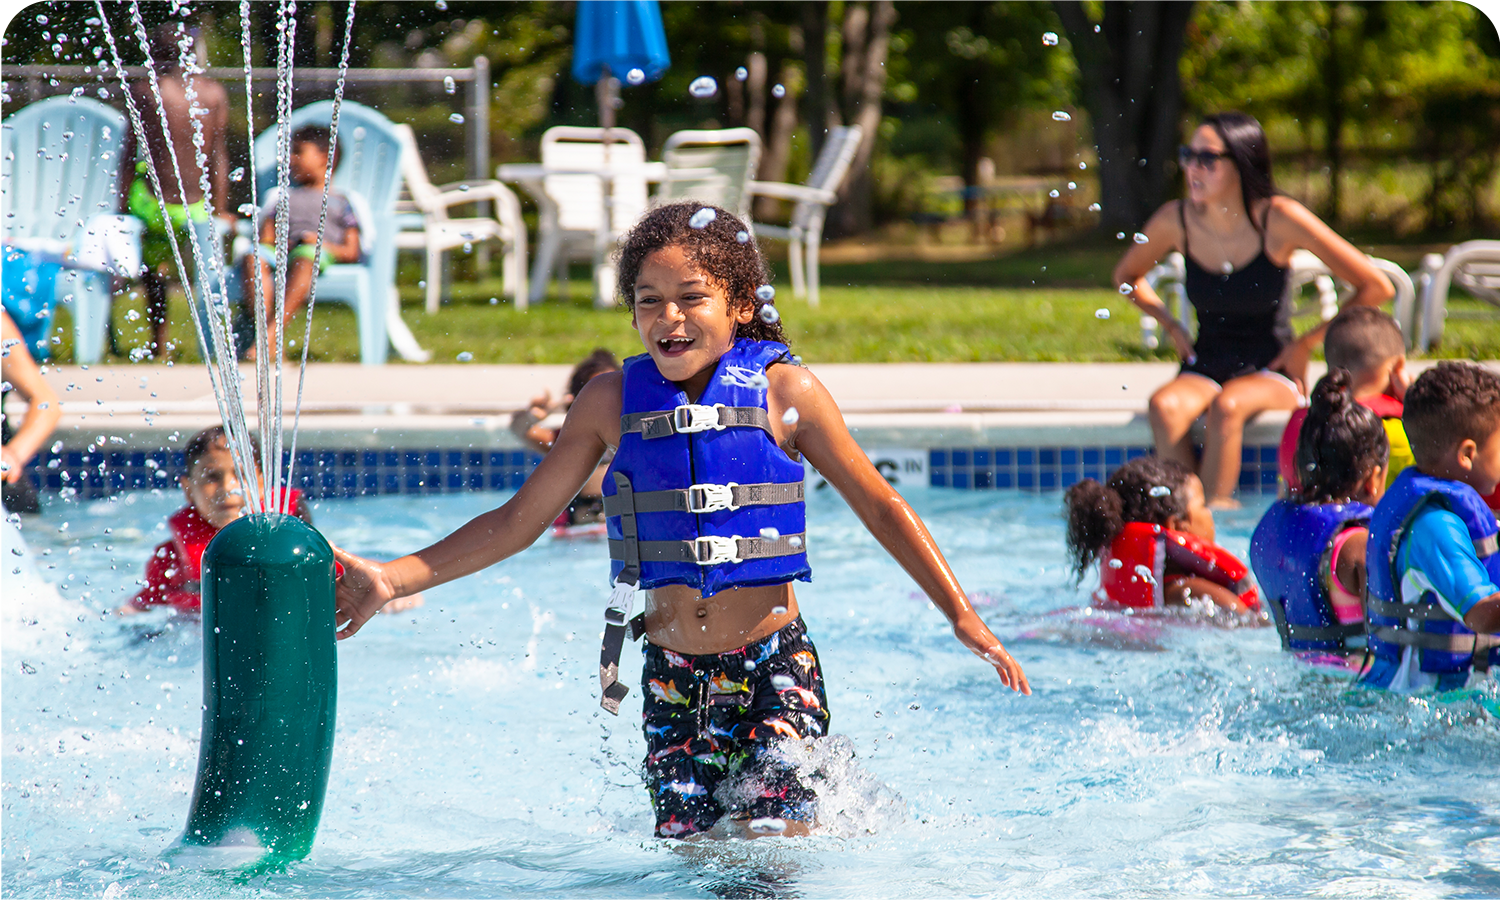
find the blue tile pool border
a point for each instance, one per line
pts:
(325, 473)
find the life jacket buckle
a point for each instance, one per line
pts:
(707, 498)
(711, 550)
(694, 417)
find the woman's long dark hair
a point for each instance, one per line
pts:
(1340, 444)
(1245, 142)
(1097, 513)
(715, 249)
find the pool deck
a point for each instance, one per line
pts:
(141, 407)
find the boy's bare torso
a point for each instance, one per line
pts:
(177, 110)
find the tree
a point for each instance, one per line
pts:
(1128, 66)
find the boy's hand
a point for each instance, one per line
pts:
(360, 593)
(979, 639)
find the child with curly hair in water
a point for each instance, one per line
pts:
(1153, 537)
(704, 505)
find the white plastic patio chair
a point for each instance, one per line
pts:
(436, 232)
(572, 223)
(805, 231)
(368, 171)
(714, 167)
(1473, 266)
(1306, 268)
(60, 169)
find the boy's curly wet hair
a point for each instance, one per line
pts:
(736, 267)
(1097, 513)
(1449, 403)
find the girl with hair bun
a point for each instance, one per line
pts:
(1152, 535)
(1309, 549)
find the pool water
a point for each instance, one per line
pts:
(1155, 757)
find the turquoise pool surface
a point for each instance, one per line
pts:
(1156, 757)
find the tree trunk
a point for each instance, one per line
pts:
(1333, 114)
(815, 64)
(755, 86)
(778, 147)
(867, 39)
(1133, 92)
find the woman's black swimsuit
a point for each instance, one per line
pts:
(1243, 319)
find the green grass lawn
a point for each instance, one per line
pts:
(1034, 306)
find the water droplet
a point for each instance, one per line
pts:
(703, 87)
(742, 236)
(494, 301)
(442, 5)
(237, 173)
(794, 542)
(749, 665)
(456, 118)
(635, 76)
(1145, 574)
(1061, 116)
(791, 416)
(741, 73)
(449, 85)
(1094, 207)
(1115, 563)
(765, 293)
(1101, 313)
(1141, 238)
(247, 209)
(1082, 166)
(769, 315)
(41, 19)
(702, 217)
(914, 705)
(778, 91)
(1053, 193)
(767, 826)
(465, 356)
(1159, 490)
(57, 447)
(1119, 235)
(1096, 29)
(103, 93)
(1049, 39)
(783, 682)
(1072, 186)
(132, 315)
(1127, 288)
(770, 534)
(778, 610)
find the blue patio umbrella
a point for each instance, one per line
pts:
(613, 37)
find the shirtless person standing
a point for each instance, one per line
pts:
(186, 210)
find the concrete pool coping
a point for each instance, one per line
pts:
(138, 407)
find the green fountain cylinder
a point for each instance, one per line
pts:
(270, 686)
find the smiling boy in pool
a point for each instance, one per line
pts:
(705, 513)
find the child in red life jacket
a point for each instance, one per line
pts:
(214, 499)
(1152, 536)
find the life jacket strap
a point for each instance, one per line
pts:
(1421, 612)
(706, 498)
(712, 550)
(1448, 643)
(691, 418)
(1290, 632)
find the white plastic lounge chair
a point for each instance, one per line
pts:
(1306, 268)
(437, 232)
(805, 232)
(61, 166)
(368, 170)
(1473, 266)
(714, 167)
(572, 206)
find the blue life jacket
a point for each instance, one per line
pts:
(1290, 552)
(700, 493)
(1396, 622)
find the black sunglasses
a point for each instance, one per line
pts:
(1205, 158)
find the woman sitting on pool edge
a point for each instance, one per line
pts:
(717, 399)
(1237, 237)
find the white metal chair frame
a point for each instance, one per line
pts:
(1472, 265)
(1167, 279)
(696, 168)
(439, 233)
(805, 231)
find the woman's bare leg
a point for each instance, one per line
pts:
(1241, 400)
(1174, 407)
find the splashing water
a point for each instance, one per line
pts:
(1127, 288)
(703, 87)
(1061, 116)
(1141, 238)
(791, 416)
(449, 85)
(741, 73)
(1159, 490)
(1101, 313)
(1049, 39)
(456, 118)
(765, 293)
(742, 236)
(702, 218)
(635, 76)
(778, 91)
(769, 315)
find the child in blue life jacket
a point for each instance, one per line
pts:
(704, 507)
(1434, 569)
(1153, 537)
(1308, 550)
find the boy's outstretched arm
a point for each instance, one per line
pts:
(821, 435)
(593, 423)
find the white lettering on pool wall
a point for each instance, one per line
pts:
(901, 467)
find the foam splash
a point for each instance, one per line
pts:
(851, 801)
